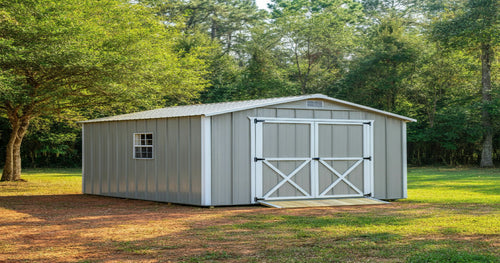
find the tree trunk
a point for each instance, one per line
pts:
(487, 151)
(12, 168)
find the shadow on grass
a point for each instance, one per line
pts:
(418, 176)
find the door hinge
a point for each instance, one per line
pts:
(368, 195)
(255, 159)
(368, 122)
(316, 158)
(367, 158)
(256, 199)
(257, 120)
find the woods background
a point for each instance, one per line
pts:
(422, 59)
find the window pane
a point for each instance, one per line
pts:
(137, 139)
(137, 152)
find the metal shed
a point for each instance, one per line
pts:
(238, 153)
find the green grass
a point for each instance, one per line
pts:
(451, 215)
(45, 182)
(454, 186)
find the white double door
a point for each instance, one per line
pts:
(311, 158)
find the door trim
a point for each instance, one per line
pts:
(256, 140)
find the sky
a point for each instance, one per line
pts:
(262, 4)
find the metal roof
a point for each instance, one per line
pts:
(212, 109)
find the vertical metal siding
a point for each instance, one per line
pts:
(340, 115)
(161, 165)
(97, 157)
(173, 159)
(131, 173)
(174, 175)
(122, 158)
(304, 114)
(195, 161)
(379, 156)
(183, 153)
(113, 153)
(150, 165)
(394, 160)
(322, 114)
(222, 160)
(240, 157)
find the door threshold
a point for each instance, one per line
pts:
(321, 202)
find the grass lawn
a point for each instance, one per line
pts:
(451, 215)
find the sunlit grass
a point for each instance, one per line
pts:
(453, 185)
(44, 182)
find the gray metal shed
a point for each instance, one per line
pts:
(237, 153)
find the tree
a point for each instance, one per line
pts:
(226, 21)
(380, 74)
(226, 24)
(474, 26)
(58, 55)
(318, 35)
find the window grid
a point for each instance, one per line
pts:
(143, 145)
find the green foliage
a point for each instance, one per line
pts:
(316, 38)
(469, 24)
(380, 76)
(69, 50)
(415, 58)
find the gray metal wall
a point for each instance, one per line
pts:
(231, 158)
(174, 175)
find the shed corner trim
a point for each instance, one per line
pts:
(206, 161)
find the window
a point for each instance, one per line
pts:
(143, 146)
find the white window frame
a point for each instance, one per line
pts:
(134, 145)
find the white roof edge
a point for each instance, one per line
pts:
(212, 110)
(373, 109)
(320, 96)
(105, 119)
